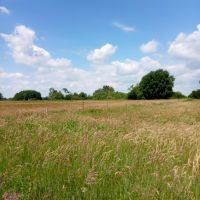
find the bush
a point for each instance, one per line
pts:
(135, 93)
(178, 95)
(195, 94)
(107, 92)
(27, 95)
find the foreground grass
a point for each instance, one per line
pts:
(149, 150)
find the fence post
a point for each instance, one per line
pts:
(83, 106)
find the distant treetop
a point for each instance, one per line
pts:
(27, 95)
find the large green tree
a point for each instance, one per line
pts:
(27, 95)
(157, 85)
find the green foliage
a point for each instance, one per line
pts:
(195, 94)
(135, 92)
(108, 92)
(120, 95)
(82, 95)
(157, 85)
(27, 95)
(178, 95)
(138, 151)
(55, 94)
(1, 96)
(76, 96)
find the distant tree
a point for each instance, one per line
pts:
(55, 94)
(135, 92)
(82, 95)
(195, 94)
(157, 85)
(66, 91)
(120, 95)
(107, 92)
(1, 96)
(178, 95)
(75, 96)
(27, 95)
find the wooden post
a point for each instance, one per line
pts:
(83, 106)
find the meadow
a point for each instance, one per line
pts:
(100, 150)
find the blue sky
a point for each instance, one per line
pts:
(83, 45)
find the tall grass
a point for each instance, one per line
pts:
(140, 151)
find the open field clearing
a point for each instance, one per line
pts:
(103, 150)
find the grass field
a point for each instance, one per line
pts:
(100, 150)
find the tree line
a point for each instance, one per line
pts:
(154, 85)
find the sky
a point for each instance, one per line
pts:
(85, 44)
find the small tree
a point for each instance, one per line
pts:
(107, 92)
(157, 85)
(55, 94)
(82, 95)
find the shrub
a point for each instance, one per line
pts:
(135, 92)
(178, 95)
(195, 94)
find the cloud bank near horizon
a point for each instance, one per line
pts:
(48, 71)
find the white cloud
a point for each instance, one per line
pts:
(123, 27)
(127, 67)
(186, 47)
(47, 71)
(101, 54)
(12, 82)
(24, 51)
(4, 10)
(16, 75)
(149, 47)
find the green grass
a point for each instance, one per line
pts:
(145, 151)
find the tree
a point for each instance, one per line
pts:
(107, 92)
(82, 95)
(27, 95)
(66, 91)
(157, 85)
(135, 92)
(1, 96)
(195, 94)
(55, 94)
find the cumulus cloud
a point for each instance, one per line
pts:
(12, 82)
(186, 46)
(24, 51)
(149, 47)
(123, 27)
(4, 10)
(47, 71)
(101, 54)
